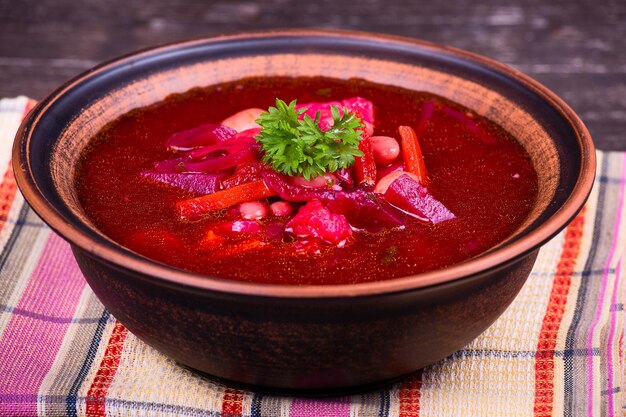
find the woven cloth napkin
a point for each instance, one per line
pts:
(556, 351)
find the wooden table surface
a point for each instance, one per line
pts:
(576, 48)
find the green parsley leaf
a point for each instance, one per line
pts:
(299, 147)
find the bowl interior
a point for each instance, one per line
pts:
(64, 123)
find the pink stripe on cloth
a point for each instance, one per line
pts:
(339, 407)
(609, 356)
(31, 342)
(605, 277)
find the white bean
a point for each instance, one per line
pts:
(243, 120)
(281, 208)
(253, 210)
(386, 149)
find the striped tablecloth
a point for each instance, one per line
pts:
(557, 350)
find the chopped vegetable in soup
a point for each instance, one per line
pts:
(306, 181)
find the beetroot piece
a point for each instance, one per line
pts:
(414, 199)
(275, 231)
(194, 183)
(316, 221)
(365, 107)
(204, 135)
(352, 104)
(363, 208)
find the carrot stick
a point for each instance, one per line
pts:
(195, 208)
(412, 154)
(365, 166)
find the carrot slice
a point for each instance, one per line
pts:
(365, 166)
(195, 208)
(412, 154)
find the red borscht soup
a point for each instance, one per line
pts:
(306, 181)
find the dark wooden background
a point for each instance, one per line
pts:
(576, 48)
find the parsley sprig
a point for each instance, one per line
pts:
(299, 147)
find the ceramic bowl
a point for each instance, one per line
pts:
(307, 339)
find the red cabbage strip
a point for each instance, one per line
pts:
(245, 139)
(239, 149)
(194, 183)
(224, 147)
(362, 207)
(207, 165)
(204, 135)
(413, 198)
(250, 171)
(220, 163)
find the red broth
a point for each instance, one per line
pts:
(475, 168)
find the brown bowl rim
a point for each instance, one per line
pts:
(168, 275)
